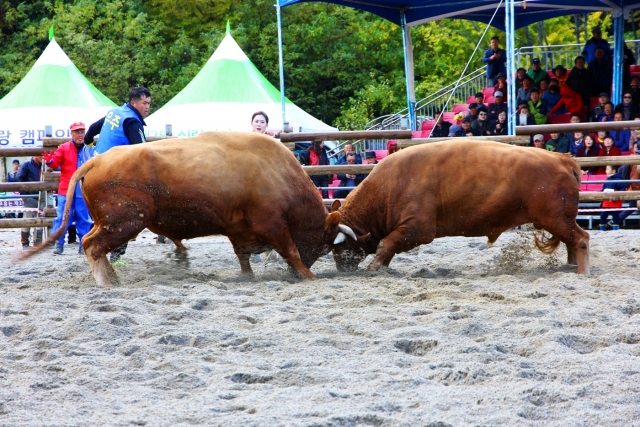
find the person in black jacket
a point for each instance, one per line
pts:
(581, 80)
(316, 155)
(441, 129)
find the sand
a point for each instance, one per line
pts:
(453, 334)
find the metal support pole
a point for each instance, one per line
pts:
(408, 71)
(281, 64)
(618, 55)
(511, 92)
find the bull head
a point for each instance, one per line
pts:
(348, 252)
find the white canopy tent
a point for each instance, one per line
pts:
(53, 93)
(224, 95)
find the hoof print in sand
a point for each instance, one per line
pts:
(416, 347)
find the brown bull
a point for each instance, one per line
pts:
(246, 186)
(462, 188)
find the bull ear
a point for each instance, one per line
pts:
(332, 221)
(364, 238)
(335, 205)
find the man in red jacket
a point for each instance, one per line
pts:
(69, 157)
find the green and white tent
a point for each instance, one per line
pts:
(224, 95)
(55, 93)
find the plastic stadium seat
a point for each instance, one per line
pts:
(471, 99)
(594, 187)
(415, 134)
(560, 118)
(635, 68)
(490, 99)
(594, 101)
(460, 108)
(334, 183)
(427, 125)
(380, 154)
(486, 91)
(448, 117)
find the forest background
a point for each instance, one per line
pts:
(341, 65)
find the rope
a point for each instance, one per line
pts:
(446, 104)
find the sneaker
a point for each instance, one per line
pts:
(615, 227)
(114, 256)
(603, 227)
(59, 249)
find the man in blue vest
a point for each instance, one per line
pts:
(122, 126)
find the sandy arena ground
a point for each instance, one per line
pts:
(454, 334)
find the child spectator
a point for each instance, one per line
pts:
(609, 187)
(578, 141)
(569, 99)
(500, 126)
(589, 149)
(561, 75)
(558, 143)
(525, 118)
(538, 107)
(599, 109)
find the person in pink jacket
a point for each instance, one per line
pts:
(69, 157)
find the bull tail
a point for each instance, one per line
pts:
(77, 176)
(546, 245)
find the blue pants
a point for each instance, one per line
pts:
(79, 215)
(624, 214)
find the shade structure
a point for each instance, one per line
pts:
(418, 12)
(53, 93)
(224, 95)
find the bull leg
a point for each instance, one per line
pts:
(283, 244)
(102, 270)
(243, 258)
(399, 240)
(97, 244)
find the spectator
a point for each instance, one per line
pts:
(601, 73)
(594, 42)
(317, 156)
(479, 96)
(608, 150)
(525, 118)
(481, 124)
(607, 113)
(600, 136)
(561, 75)
(558, 143)
(538, 141)
(495, 59)
(501, 86)
(599, 109)
(30, 172)
(552, 96)
(633, 139)
(589, 149)
(621, 138)
(370, 158)
(122, 126)
(521, 73)
(578, 141)
(575, 118)
(569, 99)
(69, 157)
(348, 148)
(543, 87)
(442, 127)
(524, 93)
(347, 179)
(538, 107)
(633, 174)
(259, 122)
(500, 125)
(580, 80)
(628, 60)
(465, 129)
(472, 114)
(13, 175)
(634, 89)
(498, 106)
(609, 187)
(392, 147)
(626, 107)
(536, 72)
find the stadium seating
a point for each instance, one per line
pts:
(460, 108)
(560, 118)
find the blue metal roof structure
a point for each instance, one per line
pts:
(506, 15)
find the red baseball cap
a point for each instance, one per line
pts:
(77, 125)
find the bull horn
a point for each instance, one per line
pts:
(339, 238)
(347, 230)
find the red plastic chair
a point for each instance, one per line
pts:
(448, 117)
(560, 118)
(427, 125)
(333, 183)
(487, 91)
(594, 187)
(460, 108)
